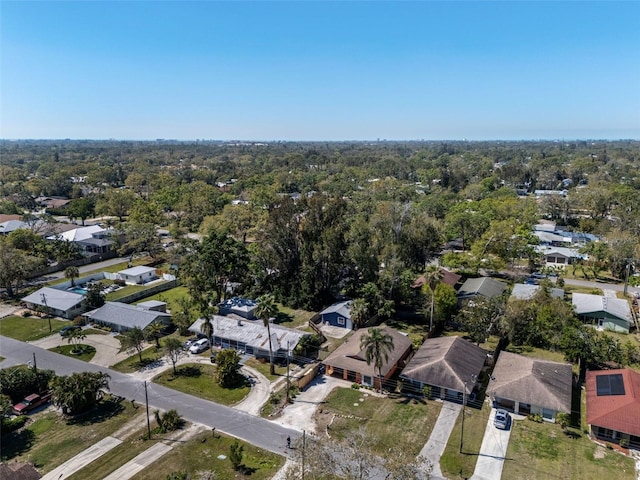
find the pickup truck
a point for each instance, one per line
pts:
(29, 403)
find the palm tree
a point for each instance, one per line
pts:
(72, 273)
(432, 276)
(76, 337)
(154, 332)
(377, 346)
(266, 309)
(359, 312)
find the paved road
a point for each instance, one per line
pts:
(252, 429)
(603, 286)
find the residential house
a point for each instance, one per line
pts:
(482, 286)
(448, 366)
(530, 386)
(121, 317)
(338, 315)
(243, 307)
(59, 303)
(613, 405)
(137, 275)
(559, 256)
(251, 338)
(348, 361)
(92, 239)
(525, 291)
(607, 313)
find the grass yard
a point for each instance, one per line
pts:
(456, 465)
(123, 292)
(292, 318)
(542, 450)
(199, 380)
(113, 269)
(263, 368)
(201, 455)
(30, 328)
(87, 351)
(132, 363)
(390, 421)
(538, 353)
(578, 289)
(49, 440)
(171, 297)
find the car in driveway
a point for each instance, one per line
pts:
(501, 420)
(68, 330)
(199, 346)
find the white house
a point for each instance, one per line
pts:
(137, 275)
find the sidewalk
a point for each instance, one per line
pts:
(84, 458)
(434, 448)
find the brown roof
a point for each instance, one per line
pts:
(18, 471)
(446, 362)
(448, 277)
(529, 380)
(617, 412)
(350, 357)
(5, 217)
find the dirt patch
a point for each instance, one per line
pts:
(599, 452)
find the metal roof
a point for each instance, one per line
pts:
(124, 315)
(54, 298)
(139, 270)
(585, 304)
(524, 291)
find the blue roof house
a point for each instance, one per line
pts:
(338, 315)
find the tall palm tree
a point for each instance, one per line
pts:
(377, 346)
(154, 332)
(266, 308)
(432, 276)
(72, 273)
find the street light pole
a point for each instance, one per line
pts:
(288, 384)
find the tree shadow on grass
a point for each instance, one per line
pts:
(16, 443)
(191, 371)
(104, 410)
(283, 318)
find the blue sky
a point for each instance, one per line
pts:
(302, 70)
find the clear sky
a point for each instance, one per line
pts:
(303, 70)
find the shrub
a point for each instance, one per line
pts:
(355, 386)
(624, 443)
(26, 313)
(426, 391)
(80, 321)
(235, 455)
(14, 423)
(535, 418)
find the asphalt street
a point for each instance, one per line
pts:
(255, 430)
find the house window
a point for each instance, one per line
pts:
(367, 380)
(547, 414)
(342, 321)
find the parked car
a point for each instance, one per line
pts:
(66, 331)
(199, 346)
(502, 420)
(29, 403)
(189, 342)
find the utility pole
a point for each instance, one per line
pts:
(626, 277)
(304, 444)
(46, 309)
(146, 401)
(288, 384)
(35, 365)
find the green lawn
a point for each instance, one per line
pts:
(201, 455)
(263, 368)
(456, 465)
(123, 292)
(292, 318)
(132, 363)
(542, 450)
(113, 269)
(171, 297)
(30, 328)
(199, 380)
(48, 440)
(395, 421)
(87, 351)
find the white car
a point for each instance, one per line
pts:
(199, 346)
(501, 420)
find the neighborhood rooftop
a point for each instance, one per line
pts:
(586, 303)
(139, 270)
(54, 298)
(123, 315)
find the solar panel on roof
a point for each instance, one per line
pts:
(609, 385)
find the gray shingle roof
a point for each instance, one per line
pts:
(128, 316)
(536, 382)
(54, 298)
(485, 286)
(446, 362)
(342, 308)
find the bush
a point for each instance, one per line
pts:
(14, 423)
(535, 418)
(26, 313)
(355, 386)
(80, 321)
(235, 455)
(624, 443)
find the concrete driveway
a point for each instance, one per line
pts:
(492, 451)
(107, 347)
